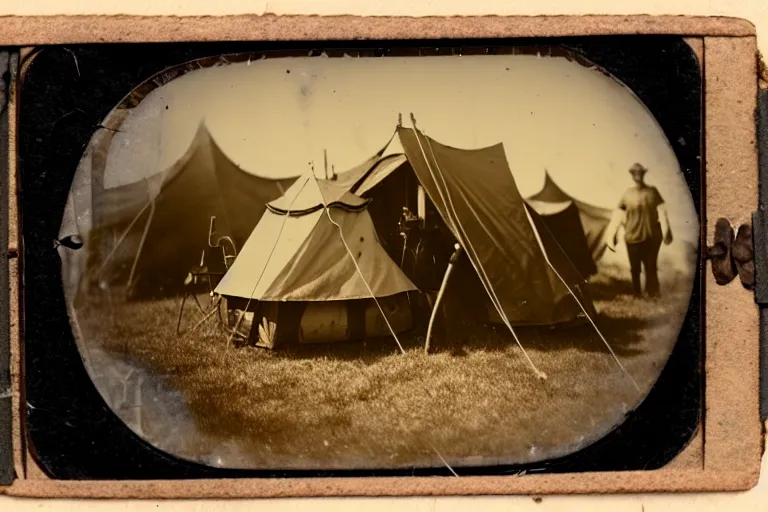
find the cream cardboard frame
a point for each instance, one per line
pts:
(725, 453)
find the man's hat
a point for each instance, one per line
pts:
(638, 169)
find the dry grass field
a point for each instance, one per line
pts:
(474, 400)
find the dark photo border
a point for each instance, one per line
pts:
(71, 431)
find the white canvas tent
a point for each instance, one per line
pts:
(312, 267)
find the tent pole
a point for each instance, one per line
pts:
(451, 264)
(181, 312)
(141, 244)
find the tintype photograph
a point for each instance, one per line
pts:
(343, 261)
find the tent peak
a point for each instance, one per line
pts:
(202, 134)
(550, 191)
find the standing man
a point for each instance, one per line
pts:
(646, 225)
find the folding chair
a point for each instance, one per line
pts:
(229, 254)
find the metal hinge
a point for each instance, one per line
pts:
(760, 217)
(760, 245)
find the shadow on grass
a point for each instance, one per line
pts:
(612, 283)
(623, 334)
(609, 288)
(623, 323)
(623, 326)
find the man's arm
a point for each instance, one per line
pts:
(661, 209)
(612, 231)
(666, 229)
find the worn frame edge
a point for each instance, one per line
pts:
(58, 29)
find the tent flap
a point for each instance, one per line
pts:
(475, 192)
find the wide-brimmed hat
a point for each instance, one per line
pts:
(638, 169)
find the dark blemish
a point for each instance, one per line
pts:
(166, 107)
(362, 239)
(359, 254)
(537, 499)
(507, 69)
(288, 71)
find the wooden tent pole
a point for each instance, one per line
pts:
(451, 264)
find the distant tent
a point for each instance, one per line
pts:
(156, 246)
(563, 222)
(296, 277)
(594, 219)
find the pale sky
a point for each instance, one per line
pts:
(273, 116)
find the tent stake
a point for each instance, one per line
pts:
(181, 312)
(451, 264)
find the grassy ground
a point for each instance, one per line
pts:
(363, 404)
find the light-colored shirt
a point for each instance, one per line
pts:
(640, 205)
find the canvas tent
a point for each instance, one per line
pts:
(311, 268)
(520, 265)
(551, 200)
(156, 244)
